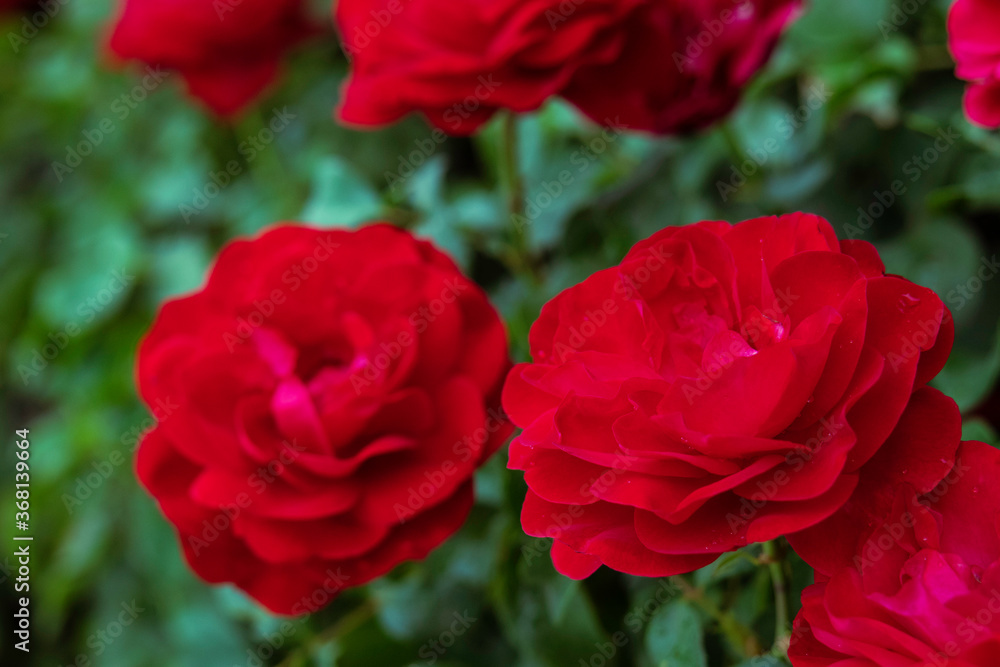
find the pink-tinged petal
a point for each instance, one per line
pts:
(982, 103)
(968, 496)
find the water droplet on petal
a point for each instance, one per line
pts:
(907, 301)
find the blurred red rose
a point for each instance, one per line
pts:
(974, 38)
(323, 404)
(923, 585)
(653, 65)
(723, 385)
(228, 52)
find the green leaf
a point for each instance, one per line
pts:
(978, 428)
(969, 376)
(340, 196)
(674, 637)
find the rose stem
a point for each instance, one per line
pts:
(776, 566)
(520, 256)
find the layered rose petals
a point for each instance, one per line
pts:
(331, 394)
(228, 53)
(651, 65)
(974, 39)
(723, 385)
(922, 586)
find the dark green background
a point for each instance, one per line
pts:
(870, 95)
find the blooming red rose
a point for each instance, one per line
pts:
(723, 385)
(974, 38)
(923, 586)
(228, 52)
(656, 65)
(323, 403)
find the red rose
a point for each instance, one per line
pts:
(655, 65)
(228, 52)
(323, 403)
(923, 586)
(723, 385)
(974, 38)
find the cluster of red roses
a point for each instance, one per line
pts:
(723, 385)
(656, 65)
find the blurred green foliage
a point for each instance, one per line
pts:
(852, 102)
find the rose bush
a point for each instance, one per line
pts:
(725, 384)
(650, 65)
(974, 38)
(334, 392)
(922, 587)
(227, 52)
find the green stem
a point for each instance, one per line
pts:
(519, 257)
(345, 625)
(264, 163)
(732, 141)
(934, 57)
(739, 636)
(511, 162)
(776, 566)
